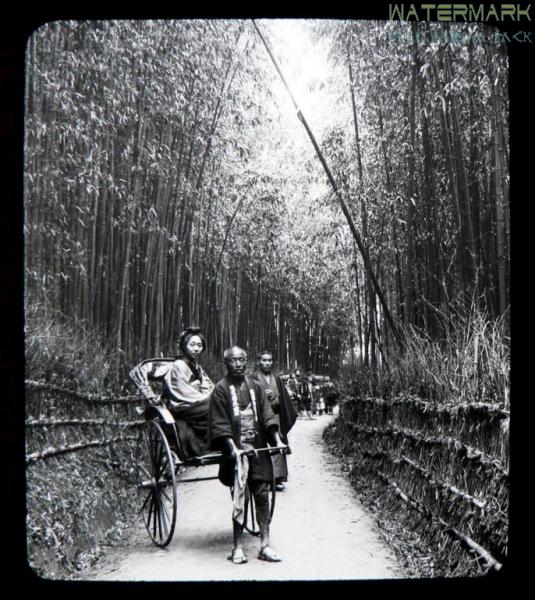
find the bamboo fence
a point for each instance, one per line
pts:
(447, 465)
(79, 473)
(60, 421)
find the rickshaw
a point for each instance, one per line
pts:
(161, 464)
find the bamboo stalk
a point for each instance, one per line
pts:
(490, 561)
(44, 454)
(451, 443)
(38, 385)
(435, 407)
(438, 483)
(381, 454)
(500, 235)
(63, 422)
(363, 250)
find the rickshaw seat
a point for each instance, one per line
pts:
(154, 370)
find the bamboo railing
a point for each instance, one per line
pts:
(447, 463)
(61, 421)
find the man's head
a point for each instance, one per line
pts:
(235, 359)
(264, 360)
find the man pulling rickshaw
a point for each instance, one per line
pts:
(241, 436)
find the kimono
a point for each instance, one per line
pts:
(187, 390)
(285, 412)
(187, 383)
(224, 421)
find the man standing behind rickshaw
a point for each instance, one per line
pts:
(282, 406)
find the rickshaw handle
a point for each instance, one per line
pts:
(284, 449)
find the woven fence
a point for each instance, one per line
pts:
(59, 421)
(79, 474)
(444, 468)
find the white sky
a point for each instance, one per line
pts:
(304, 64)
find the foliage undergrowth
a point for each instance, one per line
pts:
(65, 353)
(470, 363)
(80, 502)
(76, 505)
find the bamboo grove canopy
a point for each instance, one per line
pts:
(168, 181)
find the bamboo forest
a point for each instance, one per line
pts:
(334, 191)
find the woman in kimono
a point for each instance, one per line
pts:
(188, 387)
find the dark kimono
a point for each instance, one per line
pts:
(286, 410)
(286, 414)
(223, 423)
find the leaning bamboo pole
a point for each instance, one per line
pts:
(362, 249)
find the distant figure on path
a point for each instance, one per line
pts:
(319, 402)
(240, 419)
(188, 387)
(305, 391)
(281, 404)
(331, 397)
(292, 385)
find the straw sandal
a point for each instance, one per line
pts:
(268, 554)
(237, 556)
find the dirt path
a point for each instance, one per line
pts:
(319, 529)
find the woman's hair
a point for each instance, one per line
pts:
(186, 335)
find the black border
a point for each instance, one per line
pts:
(15, 32)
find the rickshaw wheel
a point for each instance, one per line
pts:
(156, 483)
